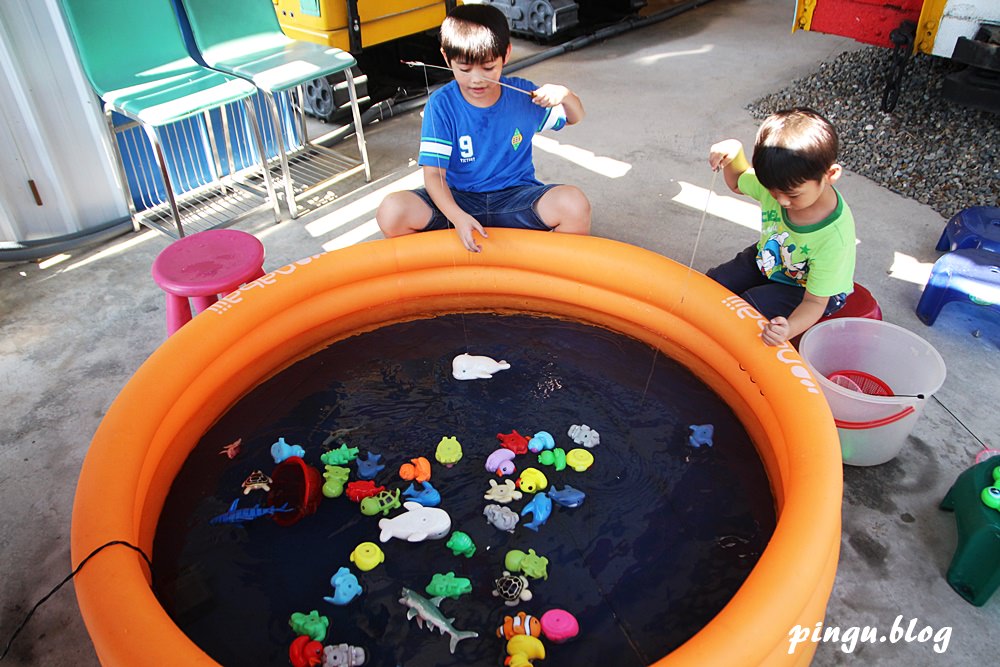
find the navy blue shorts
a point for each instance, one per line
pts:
(513, 207)
(741, 275)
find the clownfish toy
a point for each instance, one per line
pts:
(520, 624)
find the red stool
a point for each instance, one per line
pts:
(202, 267)
(860, 303)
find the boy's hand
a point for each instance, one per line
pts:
(720, 155)
(776, 331)
(549, 95)
(465, 225)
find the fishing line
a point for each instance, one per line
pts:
(454, 262)
(697, 239)
(417, 63)
(68, 577)
(961, 423)
(694, 252)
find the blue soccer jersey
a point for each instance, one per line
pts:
(485, 150)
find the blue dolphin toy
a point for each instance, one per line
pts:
(345, 587)
(701, 435)
(428, 496)
(368, 468)
(281, 450)
(540, 508)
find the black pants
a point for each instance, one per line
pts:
(741, 275)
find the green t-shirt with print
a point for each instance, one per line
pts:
(819, 257)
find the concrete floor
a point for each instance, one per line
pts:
(72, 332)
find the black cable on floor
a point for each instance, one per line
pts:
(67, 579)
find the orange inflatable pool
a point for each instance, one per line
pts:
(202, 370)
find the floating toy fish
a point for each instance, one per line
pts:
(311, 625)
(336, 477)
(531, 564)
(579, 459)
(305, 652)
(532, 480)
(368, 468)
(449, 451)
(540, 508)
(513, 441)
(567, 496)
(256, 481)
(418, 469)
(470, 367)
(520, 624)
(242, 514)
(558, 625)
(553, 457)
(541, 441)
(582, 434)
(461, 544)
(428, 611)
(502, 518)
(340, 456)
(503, 493)
(416, 524)
(367, 556)
(345, 587)
(281, 450)
(358, 491)
(523, 649)
(511, 588)
(428, 496)
(232, 449)
(701, 435)
(448, 586)
(384, 502)
(501, 462)
(343, 655)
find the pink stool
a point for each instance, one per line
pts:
(202, 267)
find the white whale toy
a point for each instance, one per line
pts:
(472, 367)
(416, 524)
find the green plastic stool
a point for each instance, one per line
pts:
(974, 572)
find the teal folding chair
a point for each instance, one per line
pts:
(243, 38)
(134, 56)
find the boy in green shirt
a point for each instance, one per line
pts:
(802, 268)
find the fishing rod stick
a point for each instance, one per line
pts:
(417, 63)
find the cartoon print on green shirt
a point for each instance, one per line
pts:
(775, 261)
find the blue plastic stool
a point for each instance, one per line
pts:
(975, 227)
(963, 275)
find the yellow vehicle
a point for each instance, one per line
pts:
(404, 29)
(354, 25)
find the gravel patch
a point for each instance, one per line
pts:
(928, 148)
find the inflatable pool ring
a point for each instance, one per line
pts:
(286, 315)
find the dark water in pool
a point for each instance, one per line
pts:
(664, 539)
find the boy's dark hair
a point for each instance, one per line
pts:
(475, 34)
(793, 146)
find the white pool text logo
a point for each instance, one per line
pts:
(236, 296)
(850, 637)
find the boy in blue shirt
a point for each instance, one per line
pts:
(802, 268)
(475, 143)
